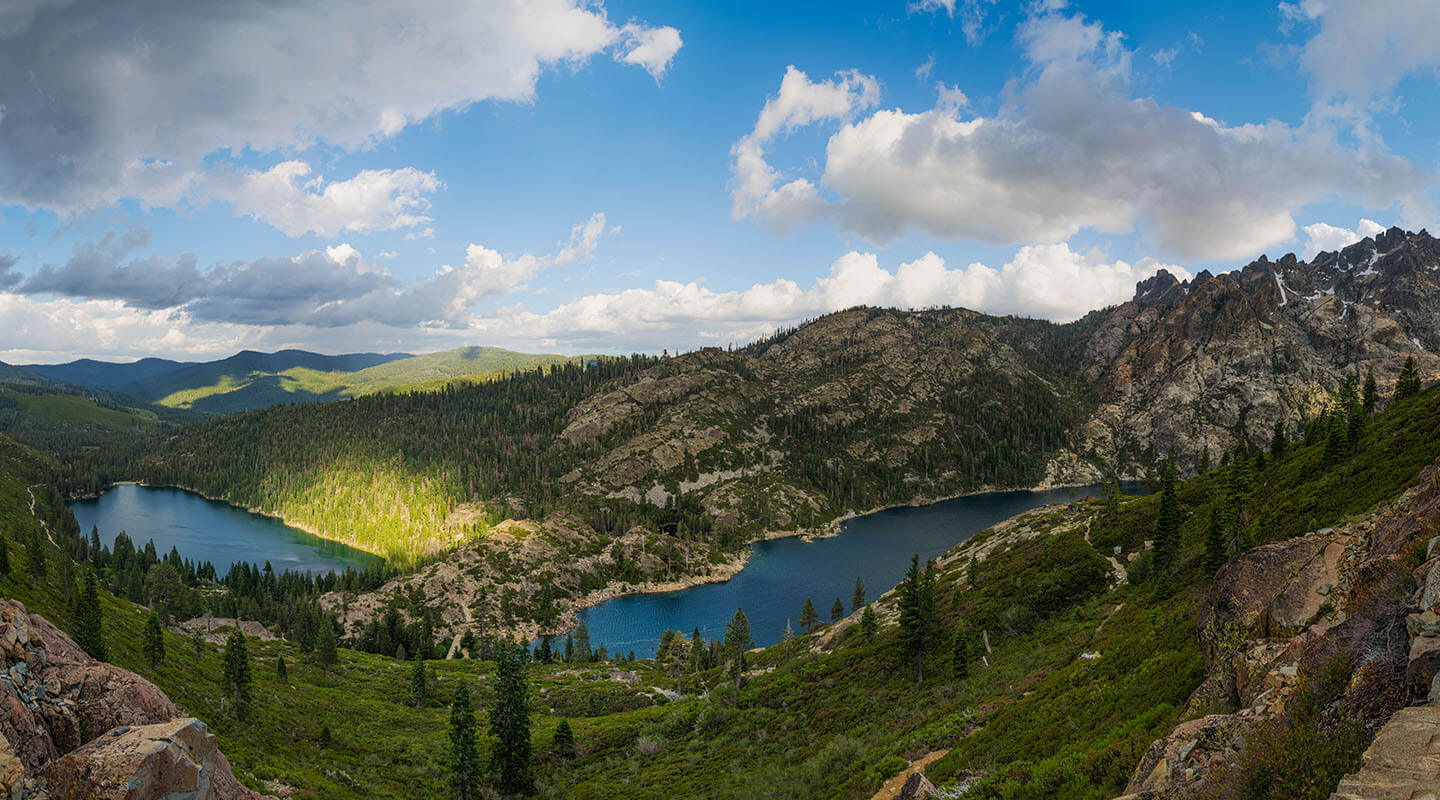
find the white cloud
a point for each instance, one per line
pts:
(923, 71)
(330, 288)
(1361, 49)
(799, 102)
(1070, 149)
(1323, 237)
(972, 14)
(1049, 281)
(650, 48)
(107, 100)
(284, 196)
(583, 240)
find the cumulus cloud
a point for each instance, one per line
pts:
(650, 48)
(287, 198)
(329, 288)
(1361, 49)
(1068, 149)
(972, 14)
(1323, 237)
(107, 100)
(799, 102)
(1049, 281)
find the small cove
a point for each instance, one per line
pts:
(210, 530)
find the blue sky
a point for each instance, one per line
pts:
(187, 179)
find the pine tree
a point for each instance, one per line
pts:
(282, 673)
(197, 643)
(869, 623)
(857, 600)
(1354, 411)
(235, 674)
(972, 569)
(960, 652)
(737, 641)
(510, 721)
(35, 563)
(837, 610)
(1335, 444)
(418, 683)
(563, 745)
(88, 626)
(808, 616)
(1215, 541)
(154, 641)
(1369, 395)
(1279, 440)
(464, 757)
(1167, 524)
(1408, 385)
(915, 609)
(4, 556)
(1205, 460)
(325, 645)
(582, 643)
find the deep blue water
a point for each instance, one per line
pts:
(208, 530)
(783, 572)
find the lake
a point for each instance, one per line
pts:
(783, 572)
(209, 530)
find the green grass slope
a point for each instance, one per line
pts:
(829, 714)
(250, 381)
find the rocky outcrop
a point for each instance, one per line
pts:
(1279, 612)
(176, 759)
(56, 702)
(1403, 763)
(1196, 364)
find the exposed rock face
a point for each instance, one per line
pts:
(1282, 609)
(176, 759)
(56, 700)
(1195, 364)
(1403, 763)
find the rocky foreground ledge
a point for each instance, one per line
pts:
(74, 727)
(1283, 610)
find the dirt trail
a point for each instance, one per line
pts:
(1119, 571)
(455, 643)
(892, 787)
(43, 524)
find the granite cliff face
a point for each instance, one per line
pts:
(1201, 363)
(74, 727)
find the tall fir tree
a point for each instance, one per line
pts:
(1408, 384)
(1369, 393)
(869, 623)
(737, 641)
(1215, 540)
(4, 556)
(1336, 445)
(916, 608)
(282, 673)
(325, 645)
(510, 721)
(563, 745)
(1167, 525)
(464, 756)
(582, 643)
(235, 674)
(960, 652)
(837, 610)
(419, 683)
(88, 627)
(1279, 440)
(36, 564)
(809, 617)
(857, 600)
(154, 641)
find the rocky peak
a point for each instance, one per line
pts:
(1160, 289)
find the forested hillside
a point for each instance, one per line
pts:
(1025, 663)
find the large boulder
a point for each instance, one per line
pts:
(1271, 591)
(175, 759)
(1403, 763)
(79, 728)
(1183, 759)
